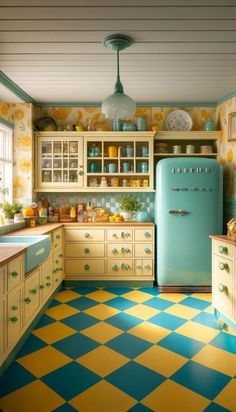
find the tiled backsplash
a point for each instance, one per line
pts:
(109, 201)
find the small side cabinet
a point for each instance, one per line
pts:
(224, 280)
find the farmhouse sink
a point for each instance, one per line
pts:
(38, 248)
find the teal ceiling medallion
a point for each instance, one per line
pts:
(118, 105)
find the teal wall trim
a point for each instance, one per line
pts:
(228, 96)
(108, 283)
(139, 104)
(6, 123)
(15, 89)
(22, 340)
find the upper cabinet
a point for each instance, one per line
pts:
(59, 161)
(94, 161)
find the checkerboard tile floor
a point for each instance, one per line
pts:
(124, 349)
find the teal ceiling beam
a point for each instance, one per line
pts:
(139, 104)
(15, 89)
(226, 97)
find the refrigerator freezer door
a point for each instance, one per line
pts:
(188, 210)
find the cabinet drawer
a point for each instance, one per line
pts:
(85, 235)
(31, 295)
(145, 234)
(57, 239)
(14, 316)
(144, 267)
(89, 250)
(223, 248)
(58, 272)
(84, 266)
(120, 234)
(222, 267)
(143, 250)
(117, 250)
(14, 272)
(120, 267)
(222, 295)
(3, 277)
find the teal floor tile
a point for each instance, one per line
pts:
(128, 345)
(182, 345)
(75, 345)
(225, 341)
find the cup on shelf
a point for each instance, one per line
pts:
(144, 151)
(126, 167)
(112, 151)
(111, 167)
(129, 151)
(176, 149)
(143, 167)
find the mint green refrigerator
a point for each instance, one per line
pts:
(188, 209)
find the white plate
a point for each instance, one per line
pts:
(178, 120)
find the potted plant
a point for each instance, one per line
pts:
(130, 205)
(10, 210)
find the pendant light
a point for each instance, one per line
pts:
(118, 105)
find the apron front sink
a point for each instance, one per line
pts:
(38, 248)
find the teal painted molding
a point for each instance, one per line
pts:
(15, 89)
(221, 317)
(6, 123)
(226, 97)
(138, 104)
(23, 338)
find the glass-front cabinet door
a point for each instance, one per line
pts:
(59, 161)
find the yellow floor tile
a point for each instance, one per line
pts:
(102, 311)
(61, 311)
(209, 309)
(161, 360)
(102, 332)
(217, 359)
(53, 332)
(142, 311)
(150, 332)
(202, 296)
(136, 296)
(66, 296)
(172, 397)
(101, 295)
(103, 360)
(43, 361)
(173, 297)
(102, 397)
(36, 397)
(196, 331)
(227, 397)
(182, 311)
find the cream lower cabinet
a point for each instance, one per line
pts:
(57, 257)
(109, 252)
(2, 327)
(224, 280)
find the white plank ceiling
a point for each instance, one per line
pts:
(183, 51)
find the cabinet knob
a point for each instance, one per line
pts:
(48, 284)
(14, 274)
(139, 267)
(114, 267)
(41, 286)
(114, 235)
(87, 235)
(61, 255)
(125, 250)
(14, 308)
(86, 267)
(86, 250)
(13, 319)
(27, 300)
(48, 277)
(147, 234)
(114, 251)
(33, 291)
(58, 236)
(125, 266)
(147, 267)
(224, 266)
(222, 288)
(127, 234)
(57, 261)
(56, 280)
(223, 249)
(147, 250)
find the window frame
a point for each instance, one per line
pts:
(6, 159)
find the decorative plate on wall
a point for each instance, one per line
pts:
(178, 120)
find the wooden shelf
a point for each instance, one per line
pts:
(187, 135)
(186, 154)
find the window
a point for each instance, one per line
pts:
(6, 160)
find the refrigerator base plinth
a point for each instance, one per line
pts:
(182, 289)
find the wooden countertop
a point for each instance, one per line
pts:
(224, 238)
(108, 224)
(8, 252)
(36, 231)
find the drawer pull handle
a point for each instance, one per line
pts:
(57, 261)
(14, 308)
(87, 235)
(125, 250)
(222, 288)
(114, 235)
(86, 250)
(114, 251)
(147, 234)
(86, 267)
(56, 280)
(27, 300)
(41, 286)
(114, 267)
(147, 250)
(48, 277)
(33, 291)
(223, 249)
(139, 267)
(224, 266)
(14, 274)
(125, 266)
(147, 267)
(58, 237)
(13, 319)
(61, 255)
(48, 284)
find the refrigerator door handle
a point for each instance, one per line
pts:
(177, 212)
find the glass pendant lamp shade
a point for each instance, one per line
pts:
(118, 105)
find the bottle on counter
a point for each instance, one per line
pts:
(72, 212)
